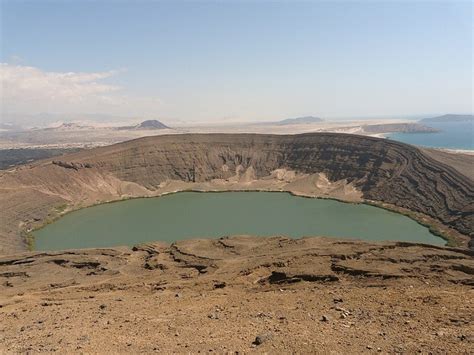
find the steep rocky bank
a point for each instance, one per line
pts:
(322, 164)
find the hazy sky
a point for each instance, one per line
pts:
(236, 60)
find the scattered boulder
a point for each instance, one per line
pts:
(219, 284)
(262, 338)
(213, 315)
(72, 165)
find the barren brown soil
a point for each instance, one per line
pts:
(313, 295)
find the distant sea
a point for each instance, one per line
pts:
(452, 135)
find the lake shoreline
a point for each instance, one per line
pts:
(452, 238)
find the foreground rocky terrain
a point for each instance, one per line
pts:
(347, 167)
(240, 294)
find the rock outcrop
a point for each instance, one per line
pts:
(75, 166)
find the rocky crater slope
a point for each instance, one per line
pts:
(240, 294)
(321, 164)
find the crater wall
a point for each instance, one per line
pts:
(382, 169)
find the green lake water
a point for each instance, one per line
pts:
(188, 215)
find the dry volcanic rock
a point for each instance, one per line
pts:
(311, 295)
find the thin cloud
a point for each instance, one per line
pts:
(30, 90)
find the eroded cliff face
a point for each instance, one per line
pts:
(379, 169)
(383, 170)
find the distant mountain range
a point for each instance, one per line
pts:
(449, 118)
(300, 120)
(74, 126)
(15, 122)
(69, 126)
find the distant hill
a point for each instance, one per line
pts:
(151, 124)
(69, 126)
(449, 118)
(148, 124)
(74, 126)
(300, 120)
(9, 126)
(398, 127)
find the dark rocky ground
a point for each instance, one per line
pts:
(13, 157)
